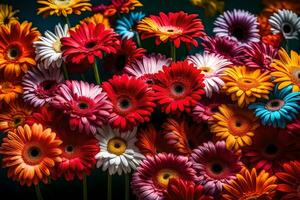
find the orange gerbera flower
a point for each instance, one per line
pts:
(16, 48)
(97, 19)
(30, 153)
(9, 90)
(273, 6)
(118, 6)
(14, 116)
(7, 15)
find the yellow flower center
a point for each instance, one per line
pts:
(13, 53)
(61, 2)
(57, 46)
(164, 175)
(170, 30)
(247, 83)
(239, 125)
(116, 146)
(205, 70)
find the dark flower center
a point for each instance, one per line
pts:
(178, 89)
(13, 53)
(271, 149)
(166, 176)
(83, 105)
(6, 20)
(69, 149)
(216, 168)
(17, 121)
(238, 32)
(214, 109)
(90, 45)
(287, 28)
(124, 103)
(149, 81)
(34, 152)
(238, 124)
(48, 84)
(275, 104)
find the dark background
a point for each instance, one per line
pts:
(97, 181)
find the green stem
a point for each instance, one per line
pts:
(38, 192)
(126, 186)
(84, 182)
(173, 52)
(82, 76)
(287, 45)
(68, 21)
(138, 39)
(65, 71)
(109, 183)
(96, 72)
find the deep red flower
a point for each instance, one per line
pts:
(178, 87)
(132, 100)
(294, 128)
(274, 40)
(87, 42)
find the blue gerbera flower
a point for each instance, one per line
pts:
(126, 25)
(282, 107)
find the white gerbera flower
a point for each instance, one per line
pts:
(48, 48)
(212, 66)
(118, 152)
(285, 22)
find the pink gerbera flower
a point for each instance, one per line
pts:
(85, 104)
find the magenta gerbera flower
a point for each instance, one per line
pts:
(240, 25)
(85, 104)
(151, 178)
(215, 165)
(40, 85)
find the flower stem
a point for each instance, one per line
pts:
(84, 182)
(287, 45)
(67, 21)
(173, 52)
(126, 186)
(82, 76)
(109, 183)
(138, 39)
(65, 71)
(96, 72)
(38, 192)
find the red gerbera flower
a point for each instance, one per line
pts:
(178, 87)
(132, 100)
(87, 42)
(294, 127)
(175, 27)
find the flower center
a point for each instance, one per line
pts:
(178, 89)
(238, 32)
(271, 149)
(164, 175)
(69, 149)
(116, 146)
(124, 103)
(83, 105)
(62, 2)
(17, 120)
(274, 105)
(48, 84)
(287, 28)
(6, 20)
(239, 125)
(205, 70)
(13, 53)
(34, 152)
(90, 44)
(57, 46)
(247, 83)
(169, 30)
(296, 74)
(216, 168)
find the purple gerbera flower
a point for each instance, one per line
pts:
(215, 165)
(239, 25)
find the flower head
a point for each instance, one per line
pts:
(9, 90)
(97, 18)
(126, 26)
(211, 7)
(7, 15)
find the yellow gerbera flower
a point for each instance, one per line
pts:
(234, 125)
(287, 70)
(211, 7)
(95, 19)
(63, 7)
(245, 85)
(7, 14)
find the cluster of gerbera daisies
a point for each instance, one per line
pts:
(219, 124)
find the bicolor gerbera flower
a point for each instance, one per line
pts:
(7, 15)
(48, 47)
(212, 67)
(9, 90)
(40, 85)
(259, 55)
(226, 47)
(240, 25)
(174, 27)
(13, 116)
(289, 180)
(63, 7)
(85, 104)
(215, 165)
(16, 48)
(234, 125)
(178, 87)
(245, 85)
(30, 153)
(126, 26)
(152, 177)
(287, 70)
(118, 153)
(250, 185)
(146, 67)
(132, 100)
(87, 42)
(78, 155)
(285, 22)
(271, 148)
(281, 107)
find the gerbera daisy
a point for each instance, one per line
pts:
(272, 6)
(41, 85)
(146, 67)
(178, 87)
(63, 7)
(285, 22)
(281, 107)
(132, 101)
(97, 18)
(226, 47)
(9, 90)
(274, 40)
(176, 27)
(234, 125)
(244, 84)
(16, 49)
(30, 153)
(13, 116)
(240, 25)
(212, 66)
(48, 48)
(185, 190)
(85, 104)
(259, 55)
(118, 153)
(87, 42)
(270, 149)
(126, 26)
(126, 53)
(7, 15)
(289, 180)
(294, 127)
(215, 165)
(287, 70)
(78, 155)
(211, 7)
(249, 185)
(151, 178)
